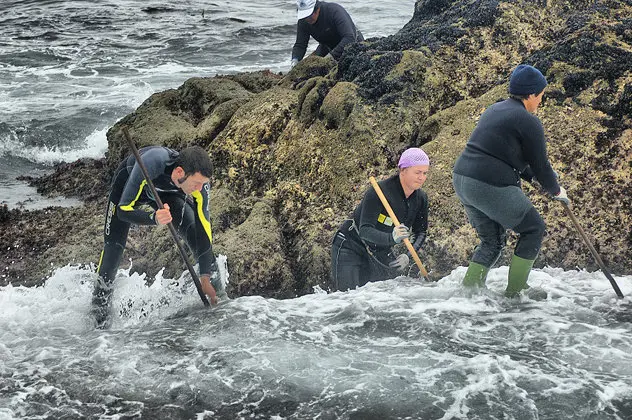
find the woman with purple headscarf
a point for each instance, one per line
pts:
(362, 247)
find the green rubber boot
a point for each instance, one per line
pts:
(518, 274)
(475, 275)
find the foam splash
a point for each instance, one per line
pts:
(66, 297)
(134, 302)
(95, 146)
(396, 349)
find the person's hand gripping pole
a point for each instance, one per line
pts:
(391, 214)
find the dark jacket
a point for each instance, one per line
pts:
(508, 144)
(334, 28)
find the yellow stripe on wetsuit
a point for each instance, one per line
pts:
(130, 206)
(100, 261)
(205, 223)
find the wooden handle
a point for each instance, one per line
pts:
(593, 251)
(391, 214)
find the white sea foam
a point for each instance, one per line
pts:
(414, 349)
(94, 147)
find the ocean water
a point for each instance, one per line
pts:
(70, 69)
(399, 349)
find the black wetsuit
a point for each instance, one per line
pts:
(361, 248)
(190, 214)
(507, 144)
(333, 30)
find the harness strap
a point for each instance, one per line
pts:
(354, 227)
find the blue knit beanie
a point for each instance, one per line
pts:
(526, 80)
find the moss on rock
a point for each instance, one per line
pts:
(338, 104)
(257, 265)
(292, 154)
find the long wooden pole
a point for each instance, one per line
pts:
(172, 229)
(593, 251)
(391, 214)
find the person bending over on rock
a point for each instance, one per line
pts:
(182, 180)
(327, 23)
(362, 247)
(507, 144)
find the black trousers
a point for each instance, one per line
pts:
(491, 210)
(352, 266)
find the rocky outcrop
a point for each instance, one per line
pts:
(293, 153)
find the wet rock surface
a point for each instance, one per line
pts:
(293, 154)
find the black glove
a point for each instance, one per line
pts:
(419, 241)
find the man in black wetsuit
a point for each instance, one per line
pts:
(361, 249)
(507, 145)
(327, 23)
(182, 180)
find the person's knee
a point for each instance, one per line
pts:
(345, 277)
(342, 283)
(345, 270)
(322, 50)
(532, 225)
(110, 260)
(531, 230)
(490, 249)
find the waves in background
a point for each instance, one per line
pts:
(70, 69)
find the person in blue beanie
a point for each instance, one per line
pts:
(507, 145)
